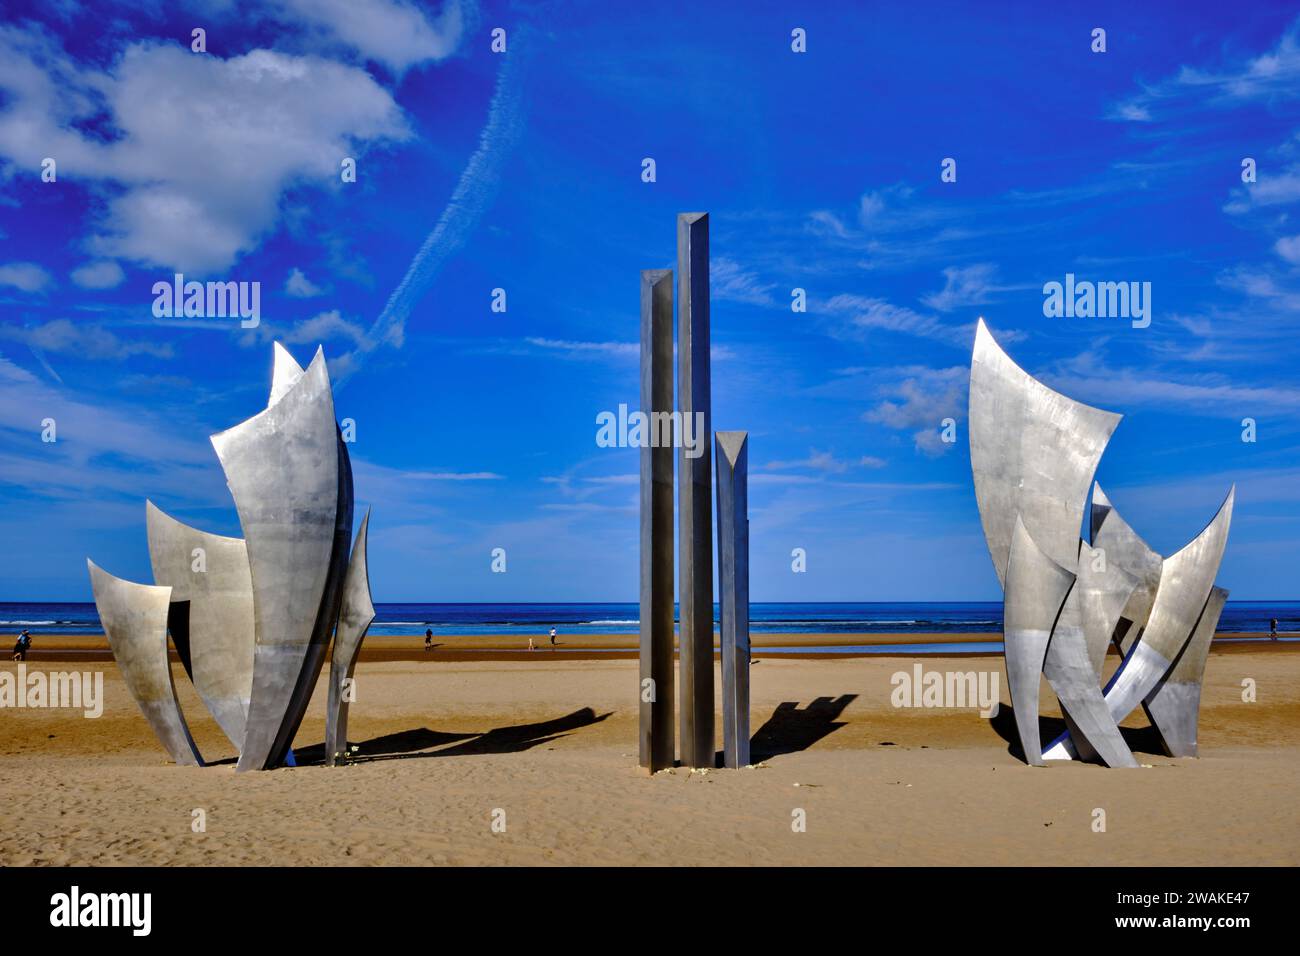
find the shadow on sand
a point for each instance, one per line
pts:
(416, 743)
(1140, 740)
(791, 729)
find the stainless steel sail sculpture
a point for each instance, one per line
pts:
(355, 615)
(287, 471)
(1033, 456)
(211, 613)
(135, 621)
(1171, 639)
(253, 617)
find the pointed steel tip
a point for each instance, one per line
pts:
(655, 276)
(1099, 496)
(984, 340)
(731, 443)
(691, 217)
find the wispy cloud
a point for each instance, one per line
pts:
(473, 193)
(1268, 77)
(83, 340)
(919, 400)
(729, 281)
(965, 286)
(24, 276)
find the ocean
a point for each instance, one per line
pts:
(768, 618)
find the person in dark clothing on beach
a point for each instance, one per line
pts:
(428, 638)
(22, 646)
(552, 637)
(1272, 629)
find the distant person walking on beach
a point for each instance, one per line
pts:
(531, 646)
(22, 646)
(428, 638)
(552, 637)
(1272, 628)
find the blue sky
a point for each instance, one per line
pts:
(522, 170)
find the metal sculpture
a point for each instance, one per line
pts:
(135, 621)
(1033, 456)
(1186, 580)
(355, 614)
(1174, 706)
(1123, 547)
(692, 421)
(211, 613)
(655, 715)
(1036, 587)
(294, 502)
(694, 504)
(732, 450)
(252, 618)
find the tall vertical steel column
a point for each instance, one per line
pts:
(733, 592)
(656, 709)
(694, 502)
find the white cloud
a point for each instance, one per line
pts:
(1277, 189)
(82, 340)
(395, 33)
(866, 312)
(816, 460)
(26, 276)
(1288, 247)
(322, 327)
(1270, 76)
(824, 461)
(299, 286)
(728, 280)
(205, 146)
(920, 401)
(878, 204)
(587, 349)
(104, 274)
(964, 285)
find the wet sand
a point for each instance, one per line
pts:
(548, 745)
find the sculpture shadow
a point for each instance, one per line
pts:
(414, 744)
(404, 742)
(791, 729)
(1144, 740)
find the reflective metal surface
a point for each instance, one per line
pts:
(1036, 587)
(355, 614)
(285, 372)
(655, 692)
(282, 466)
(1104, 589)
(135, 621)
(1125, 549)
(211, 611)
(695, 496)
(1069, 669)
(1185, 583)
(1033, 454)
(1174, 706)
(732, 451)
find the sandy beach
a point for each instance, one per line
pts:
(547, 745)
